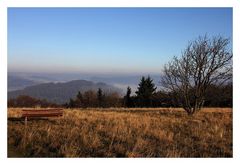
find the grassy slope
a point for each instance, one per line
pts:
(124, 133)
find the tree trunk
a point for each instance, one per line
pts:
(189, 110)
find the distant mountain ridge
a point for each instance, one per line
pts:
(16, 83)
(61, 92)
(119, 81)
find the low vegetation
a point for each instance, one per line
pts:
(215, 97)
(123, 132)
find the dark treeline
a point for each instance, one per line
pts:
(94, 99)
(145, 96)
(148, 96)
(27, 101)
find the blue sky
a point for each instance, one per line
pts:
(106, 40)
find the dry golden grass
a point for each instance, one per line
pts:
(119, 132)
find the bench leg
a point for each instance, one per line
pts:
(25, 121)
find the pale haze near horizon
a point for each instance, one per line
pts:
(106, 41)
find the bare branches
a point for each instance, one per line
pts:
(204, 62)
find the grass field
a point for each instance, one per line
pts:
(151, 132)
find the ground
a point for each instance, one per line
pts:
(120, 132)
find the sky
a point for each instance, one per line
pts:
(106, 40)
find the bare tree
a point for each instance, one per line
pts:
(204, 62)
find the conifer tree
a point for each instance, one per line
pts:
(71, 103)
(127, 98)
(100, 97)
(145, 92)
(79, 99)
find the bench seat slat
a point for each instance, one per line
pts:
(42, 113)
(25, 110)
(45, 110)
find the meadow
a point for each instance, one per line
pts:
(123, 132)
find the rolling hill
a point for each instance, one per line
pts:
(61, 92)
(17, 83)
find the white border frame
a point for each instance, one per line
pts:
(4, 4)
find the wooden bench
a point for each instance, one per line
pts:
(33, 113)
